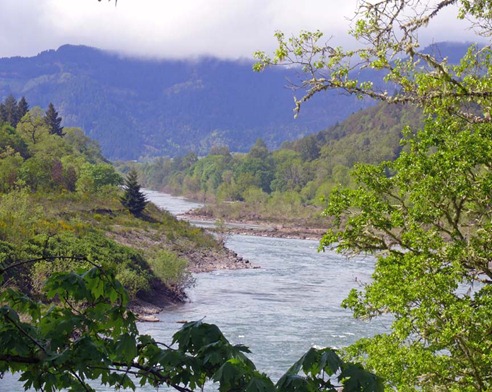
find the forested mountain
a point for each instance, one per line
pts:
(137, 108)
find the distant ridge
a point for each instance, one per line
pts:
(140, 108)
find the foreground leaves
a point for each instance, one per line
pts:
(87, 334)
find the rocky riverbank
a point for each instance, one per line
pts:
(202, 259)
(256, 228)
(147, 305)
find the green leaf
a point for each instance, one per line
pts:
(355, 379)
(263, 384)
(292, 383)
(126, 348)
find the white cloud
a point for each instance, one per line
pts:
(184, 28)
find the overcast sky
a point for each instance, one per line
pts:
(178, 28)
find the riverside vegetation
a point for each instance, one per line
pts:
(77, 254)
(60, 196)
(425, 212)
(288, 187)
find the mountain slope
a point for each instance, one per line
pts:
(137, 108)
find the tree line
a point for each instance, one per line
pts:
(425, 216)
(292, 182)
(12, 111)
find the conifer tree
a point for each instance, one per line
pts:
(53, 121)
(133, 199)
(11, 113)
(22, 108)
(3, 113)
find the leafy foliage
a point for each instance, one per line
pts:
(425, 215)
(65, 281)
(289, 183)
(428, 223)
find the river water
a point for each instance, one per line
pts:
(280, 310)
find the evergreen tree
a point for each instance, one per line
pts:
(11, 113)
(3, 113)
(53, 121)
(22, 108)
(133, 198)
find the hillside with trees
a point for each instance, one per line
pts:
(61, 202)
(141, 108)
(290, 185)
(426, 215)
(78, 255)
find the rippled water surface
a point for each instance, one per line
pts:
(280, 310)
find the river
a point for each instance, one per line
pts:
(279, 310)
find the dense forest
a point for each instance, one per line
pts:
(290, 184)
(137, 108)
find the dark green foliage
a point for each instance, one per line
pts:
(11, 141)
(3, 113)
(324, 370)
(12, 111)
(133, 199)
(22, 108)
(53, 121)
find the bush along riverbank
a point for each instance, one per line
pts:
(173, 250)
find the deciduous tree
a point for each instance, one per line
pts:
(425, 216)
(90, 335)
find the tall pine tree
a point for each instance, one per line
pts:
(133, 198)
(3, 113)
(11, 112)
(22, 108)
(53, 121)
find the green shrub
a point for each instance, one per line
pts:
(170, 268)
(133, 281)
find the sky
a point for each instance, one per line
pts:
(229, 29)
